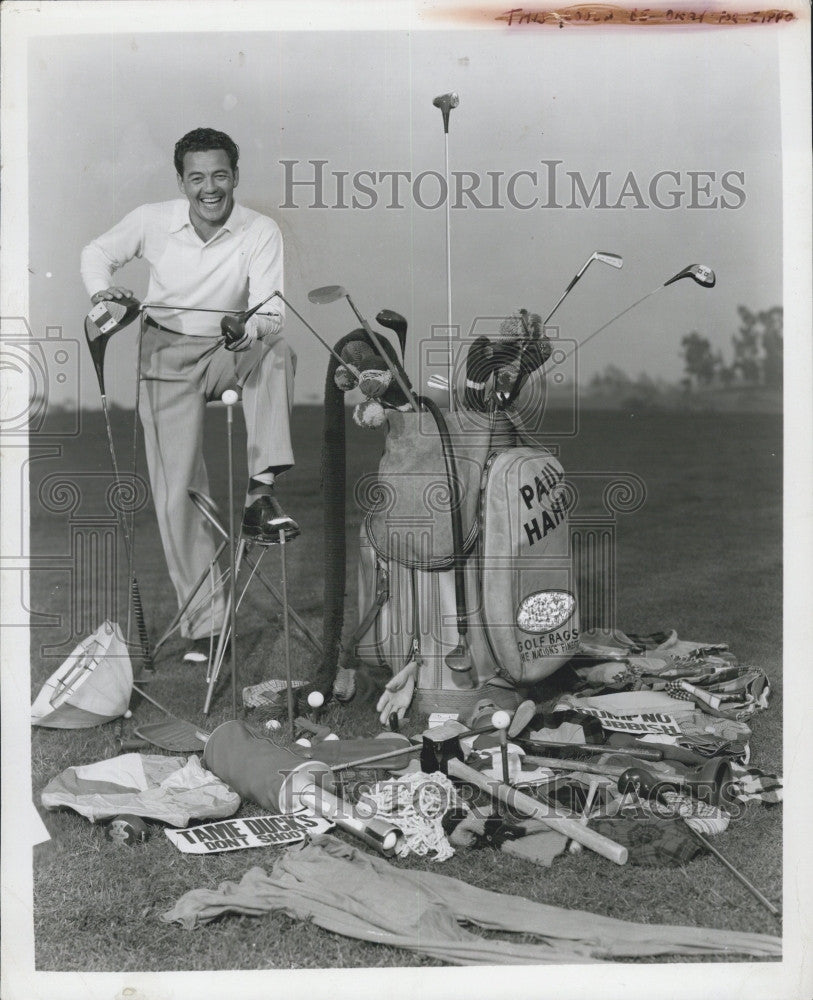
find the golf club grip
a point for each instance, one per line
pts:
(128, 746)
(138, 609)
(544, 813)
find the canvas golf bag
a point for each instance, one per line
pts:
(520, 599)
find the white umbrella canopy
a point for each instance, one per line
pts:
(91, 687)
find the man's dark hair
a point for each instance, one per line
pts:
(199, 140)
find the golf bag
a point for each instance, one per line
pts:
(519, 615)
(464, 563)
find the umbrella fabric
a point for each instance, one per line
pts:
(91, 687)
(363, 896)
(170, 789)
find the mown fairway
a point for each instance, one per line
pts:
(702, 555)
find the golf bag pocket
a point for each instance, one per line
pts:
(527, 594)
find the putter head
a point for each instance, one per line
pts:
(326, 294)
(700, 273)
(459, 661)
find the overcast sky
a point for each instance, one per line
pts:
(106, 110)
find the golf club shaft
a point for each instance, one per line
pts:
(232, 560)
(610, 322)
(306, 324)
(289, 690)
(191, 596)
(737, 874)
(378, 346)
(562, 297)
(134, 605)
(449, 341)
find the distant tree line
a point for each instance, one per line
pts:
(757, 353)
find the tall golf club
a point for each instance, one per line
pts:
(702, 274)
(446, 102)
(332, 293)
(100, 326)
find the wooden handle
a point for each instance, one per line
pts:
(544, 813)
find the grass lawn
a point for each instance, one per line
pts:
(702, 555)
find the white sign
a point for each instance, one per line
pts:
(251, 831)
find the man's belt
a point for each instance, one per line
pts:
(157, 326)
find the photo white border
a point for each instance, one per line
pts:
(792, 977)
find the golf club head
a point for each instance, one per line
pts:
(394, 321)
(105, 319)
(326, 294)
(446, 102)
(700, 273)
(209, 509)
(613, 259)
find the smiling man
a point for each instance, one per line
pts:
(205, 252)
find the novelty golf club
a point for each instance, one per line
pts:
(699, 273)
(446, 102)
(101, 318)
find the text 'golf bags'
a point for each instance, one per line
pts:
(520, 604)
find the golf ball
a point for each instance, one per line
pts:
(273, 724)
(229, 397)
(330, 736)
(501, 720)
(316, 699)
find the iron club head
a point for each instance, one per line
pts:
(613, 259)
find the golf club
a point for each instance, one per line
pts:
(700, 273)
(640, 781)
(612, 259)
(446, 102)
(289, 684)
(332, 293)
(102, 322)
(394, 321)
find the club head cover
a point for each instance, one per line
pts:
(478, 370)
(374, 377)
(233, 328)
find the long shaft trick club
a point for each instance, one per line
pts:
(446, 102)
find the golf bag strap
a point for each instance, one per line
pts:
(382, 595)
